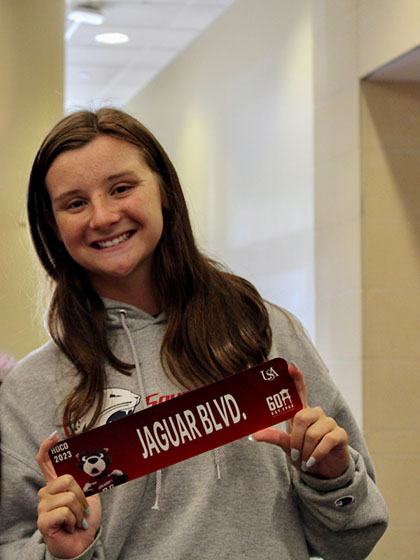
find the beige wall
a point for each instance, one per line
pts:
(31, 99)
(234, 112)
(386, 30)
(390, 165)
(367, 206)
(337, 198)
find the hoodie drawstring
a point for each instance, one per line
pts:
(216, 451)
(123, 314)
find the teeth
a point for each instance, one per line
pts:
(113, 242)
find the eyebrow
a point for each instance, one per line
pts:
(119, 175)
(66, 194)
(77, 192)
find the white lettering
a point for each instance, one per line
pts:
(233, 408)
(280, 402)
(60, 447)
(174, 436)
(183, 432)
(145, 453)
(151, 444)
(204, 417)
(190, 418)
(215, 424)
(161, 438)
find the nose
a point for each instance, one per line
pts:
(104, 214)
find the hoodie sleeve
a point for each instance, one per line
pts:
(344, 517)
(20, 477)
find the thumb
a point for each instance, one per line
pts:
(43, 458)
(274, 436)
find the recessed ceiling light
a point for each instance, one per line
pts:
(86, 14)
(112, 38)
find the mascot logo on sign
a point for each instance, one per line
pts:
(95, 464)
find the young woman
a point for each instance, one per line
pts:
(138, 316)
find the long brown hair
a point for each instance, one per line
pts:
(217, 321)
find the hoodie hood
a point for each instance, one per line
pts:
(136, 318)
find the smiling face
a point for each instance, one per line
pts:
(107, 210)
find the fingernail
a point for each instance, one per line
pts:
(87, 511)
(293, 364)
(294, 454)
(251, 438)
(310, 462)
(84, 524)
(52, 436)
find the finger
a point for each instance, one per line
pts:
(50, 502)
(274, 436)
(43, 459)
(67, 484)
(315, 433)
(333, 444)
(299, 381)
(301, 422)
(52, 521)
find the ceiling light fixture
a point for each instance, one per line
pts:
(112, 38)
(86, 14)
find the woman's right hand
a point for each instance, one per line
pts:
(67, 520)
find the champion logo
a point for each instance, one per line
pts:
(344, 501)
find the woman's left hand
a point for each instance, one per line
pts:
(315, 443)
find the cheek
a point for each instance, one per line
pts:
(68, 232)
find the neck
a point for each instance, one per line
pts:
(129, 291)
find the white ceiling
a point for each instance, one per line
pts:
(98, 74)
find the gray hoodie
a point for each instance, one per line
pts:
(241, 501)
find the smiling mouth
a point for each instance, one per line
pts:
(113, 242)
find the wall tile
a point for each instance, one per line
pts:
(338, 325)
(381, 439)
(388, 117)
(398, 543)
(330, 13)
(347, 375)
(338, 257)
(335, 55)
(391, 390)
(400, 492)
(337, 196)
(391, 256)
(391, 324)
(336, 124)
(390, 183)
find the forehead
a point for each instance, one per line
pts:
(102, 156)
